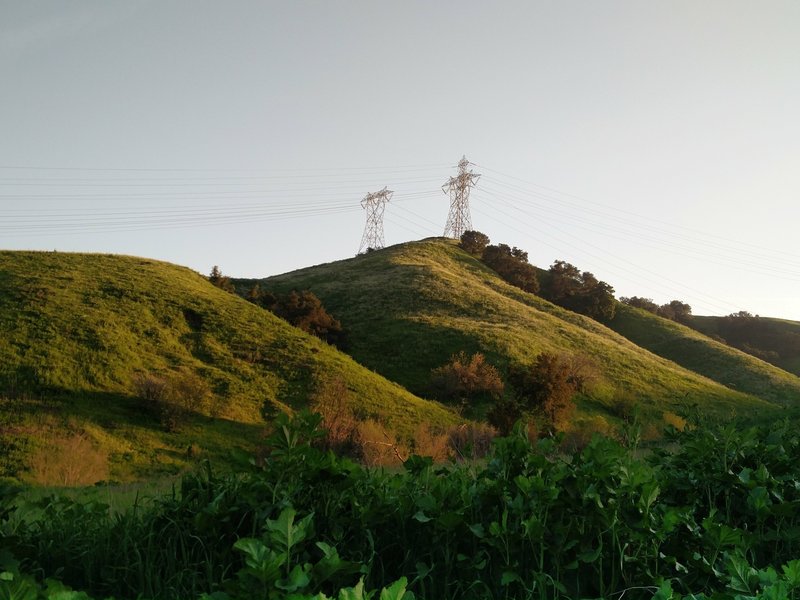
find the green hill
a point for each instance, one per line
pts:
(774, 340)
(77, 331)
(408, 308)
(699, 353)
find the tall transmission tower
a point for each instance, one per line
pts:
(458, 221)
(374, 203)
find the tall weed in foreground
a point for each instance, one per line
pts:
(716, 515)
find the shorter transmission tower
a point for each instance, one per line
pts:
(374, 203)
(458, 220)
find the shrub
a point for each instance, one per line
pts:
(643, 303)
(173, 398)
(467, 378)
(513, 266)
(432, 443)
(304, 310)
(580, 292)
(677, 311)
(330, 399)
(219, 280)
(474, 242)
(544, 388)
(471, 441)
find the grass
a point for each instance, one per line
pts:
(777, 339)
(409, 307)
(701, 354)
(76, 329)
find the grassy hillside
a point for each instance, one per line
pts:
(409, 307)
(775, 340)
(77, 330)
(697, 352)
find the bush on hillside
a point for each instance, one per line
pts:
(466, 379)
(512, 265)
(219, 280)
(304, 310)
(331, 400)
(580, 292)
(173, 398)
(543, 391)
(677, 311)
(474, 242)
(643, 303)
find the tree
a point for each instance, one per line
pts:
(173, 398)
(545, 388)
(304, 310)
(643, 303)
(676, 311)
(580, 292)
(512, 265)
(474, 242)
(467, 378)
(221, 281)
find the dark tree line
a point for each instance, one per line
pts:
(564, 285)
(675, 310)
(302, 309)
(580, 292)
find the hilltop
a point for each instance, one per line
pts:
(77, 331)
(408, 308)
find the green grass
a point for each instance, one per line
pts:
(408, 308)
(76, 329)
(764, 334)
(697, 352)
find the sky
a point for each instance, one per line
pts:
(655, 144)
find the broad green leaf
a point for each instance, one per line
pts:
(791, 571)
(590, 555)
(742, 576)
(509, 577)
(297, 580)
(396, 591)
(331, 564)
(664, 591)
(285, 532)
(353, 593)
(477, 530)
(421, 517)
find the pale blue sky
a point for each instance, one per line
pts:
(656, 144)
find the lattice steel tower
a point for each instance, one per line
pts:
(374, 203)
(458, 221)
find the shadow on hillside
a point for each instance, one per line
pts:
(405, 351)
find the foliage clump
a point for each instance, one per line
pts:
(714, 516)
(466, 379)
(304, 310)
(543, 391)
(474, 242)
(579, 292)
(223, 282)
(173, 398)
(512, 265)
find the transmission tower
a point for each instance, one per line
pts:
(458, 221)
(374, 203)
